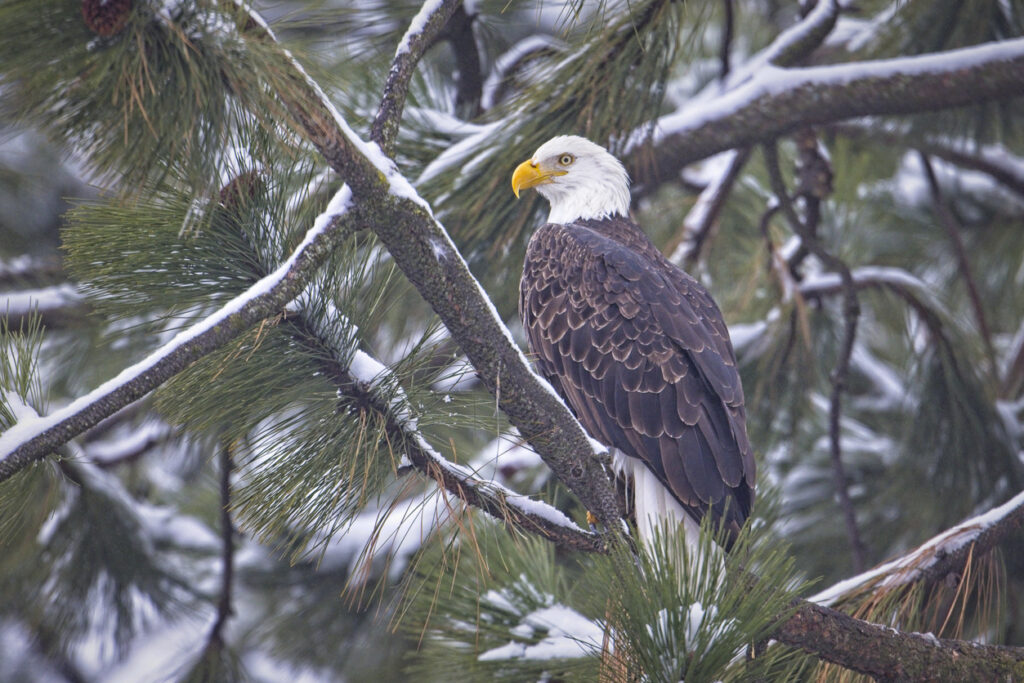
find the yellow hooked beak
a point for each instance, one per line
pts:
(528, 174)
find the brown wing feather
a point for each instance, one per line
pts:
(641, 353)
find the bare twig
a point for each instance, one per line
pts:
(807, 229)
(227, 535)
(992, 161)
(950, 223)
(725, 50)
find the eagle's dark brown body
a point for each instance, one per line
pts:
(640, 352)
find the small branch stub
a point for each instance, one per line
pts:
(106, 18)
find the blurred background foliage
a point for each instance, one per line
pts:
(149, 175)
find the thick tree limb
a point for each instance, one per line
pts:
(789, 47)
(777, 101)
(936, 558)
(890, 655)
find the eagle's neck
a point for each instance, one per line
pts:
(595, 199)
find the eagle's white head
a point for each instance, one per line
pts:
(578, 178)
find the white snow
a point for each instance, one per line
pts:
(510, 58)
(877, 274)
(417, 25)
(21, 303)
(770, 80)
(24, 431)
(397, 532)
(569, 635)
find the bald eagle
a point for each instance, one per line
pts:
(636, 347)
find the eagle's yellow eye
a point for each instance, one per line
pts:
(566, 159)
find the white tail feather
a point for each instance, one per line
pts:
(656, 507)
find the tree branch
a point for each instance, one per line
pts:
(701, 219)
(778, 101)
(29, 441)
(725, 49)
(425, 28)
(227, 535)
(789, 47)
(936, 558)
(468, 78)
(890, 655)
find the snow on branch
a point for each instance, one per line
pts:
(31, 440)
(422, 32)
(936, 557)
(369, 383)
(776, 101)
(793, 44)
(825, 284)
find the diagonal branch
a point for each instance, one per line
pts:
(887, 654)
(777, 101)
(367, 390)
(992, 160)
(425, 28)
(701, 219)
(32, 440)
(944, 554)
(789, 47)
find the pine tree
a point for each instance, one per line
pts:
(262, 416)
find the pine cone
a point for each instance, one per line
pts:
(242, 190)
(106, 17)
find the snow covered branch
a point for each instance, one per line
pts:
(362, 382)
(422, 32)
(937, 557)
(776, 101)
(791, 46)
(31, 440)
(422, 249)
(889, 654)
